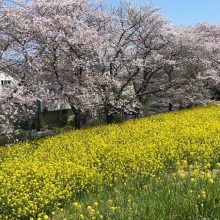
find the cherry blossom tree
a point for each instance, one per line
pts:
(100, 57)
(135, 40)
(17, 98)
(194, 77)
(68, 38)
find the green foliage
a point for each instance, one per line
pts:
(169, 197)
(3, 140)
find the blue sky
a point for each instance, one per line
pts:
(188, 12)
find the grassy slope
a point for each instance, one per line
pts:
(161, 167)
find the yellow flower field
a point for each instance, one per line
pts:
(38, 178)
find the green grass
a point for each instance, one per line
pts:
(170, 197)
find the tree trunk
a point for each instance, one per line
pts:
(170, 107)
(77, 121)
(109, 117)
(180, 106)
(38, 124)
(29, 128)
(77, 118)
